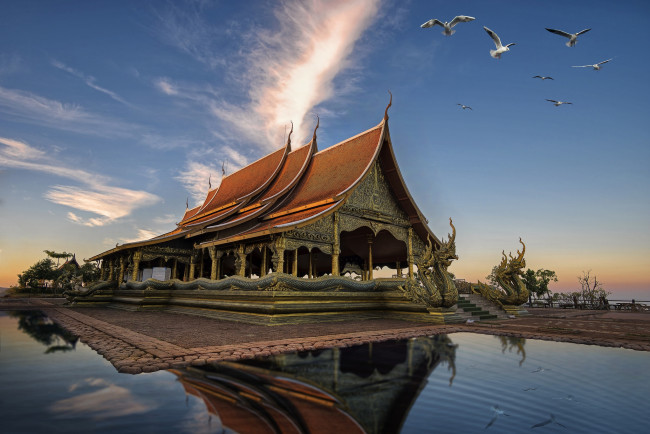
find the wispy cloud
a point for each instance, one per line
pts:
(141, 235)
(107, 203)
(197, 171)
(90, 81)
(35, 109)
(286, 72)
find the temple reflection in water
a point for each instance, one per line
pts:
(362, 389)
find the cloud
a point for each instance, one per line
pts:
(35, 109)
(107, 202)
(285, 71)
(142, 235)
(197, 172)
(108, 402)
(90, 81)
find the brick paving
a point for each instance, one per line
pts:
(137, 342)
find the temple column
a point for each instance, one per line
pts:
(364, 275)
(410, 252)
(263, 268)
(201, 266)
(190, 277)
(215, 256)
(111, 269)
(294, 270)
(240, 261)
(278, 255)
(398, 268)
(137, 257)
(370, 267)
(120, 276)
(104, 275)
(175, 269)
(311, 260)
(336, 246)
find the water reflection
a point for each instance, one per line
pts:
(510, 342)
(45, 331)
(366, 388)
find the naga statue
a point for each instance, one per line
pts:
(508, 274)
(433, 286)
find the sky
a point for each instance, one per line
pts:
(114, 114)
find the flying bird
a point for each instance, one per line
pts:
(464, 106)
(500, 48)
(447, 25)
(546, 422)
(557, 104)
(596, 66)
(543, 78)
(573, 37)
(497, 412)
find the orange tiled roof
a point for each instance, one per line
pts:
(242, 184)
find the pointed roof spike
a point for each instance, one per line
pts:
(289, 138)
(187, 203)
(313, 139)
(210, 182)
(390, 103)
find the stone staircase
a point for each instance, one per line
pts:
(477, 308)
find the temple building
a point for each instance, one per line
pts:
(295, 221)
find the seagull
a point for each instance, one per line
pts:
(464, 106)
(546, 422)
(497, 412)
(557, 104)
(573, 37)
(543, 78)
(596, 66)
(447, 26)
(500, 48)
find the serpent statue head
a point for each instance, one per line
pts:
(516, 265)
(447, 251)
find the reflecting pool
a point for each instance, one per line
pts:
(50, 382)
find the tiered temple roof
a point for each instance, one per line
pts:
(288, 189)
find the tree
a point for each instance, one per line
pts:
(537, 282)
(592, 289)
(37, 273)
(57, 256)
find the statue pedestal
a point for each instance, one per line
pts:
(515, 310)
(444, 315)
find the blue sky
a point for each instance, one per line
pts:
(114, 113)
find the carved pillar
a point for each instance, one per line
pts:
(370, 257)
(104, 270)
(311, 260)
(263, 268)
(111, 269)
(185, 273)
(175, 269)
(137, 257)
(215, 256)
(190, 277)
(201, 266)
(398, 267)
(336, 246)
(410, 253)
(278, 254)
(120, 276)
(240, 261)
(294, 269)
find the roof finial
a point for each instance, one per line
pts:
(289, 138)
(317, 124)
(223, 168)
(187, 203)
(390, 103)
(210, 182)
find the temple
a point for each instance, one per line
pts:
(298, 234)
